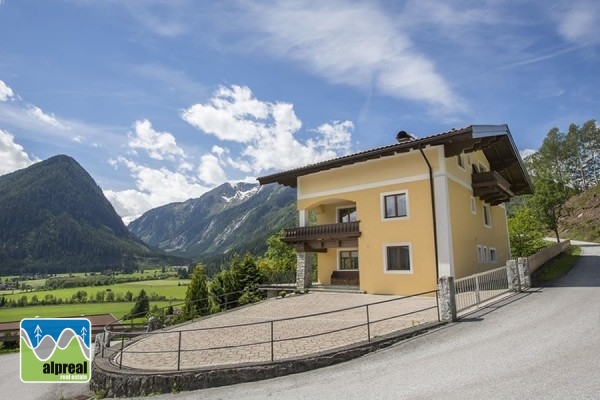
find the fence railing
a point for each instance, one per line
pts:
(345, 229)
(269, 340)
(541, 257)
(473, 290)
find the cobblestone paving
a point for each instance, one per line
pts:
(212, 341)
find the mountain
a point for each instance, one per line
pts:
(232, 217)
(54, 218)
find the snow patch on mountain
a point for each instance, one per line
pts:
(242, 195)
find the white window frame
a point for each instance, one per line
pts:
(382, 197)
(339, 250)
(489, 214)
(493, 255)
(479, 254)
(473, 205)
(486, 256)
(410, 258)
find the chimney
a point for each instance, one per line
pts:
(404, 136)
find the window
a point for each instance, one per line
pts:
(487, 216)
(395, 205)
(473, 205)
(461, 161)
(479, 254)
(346, 214)
(398, 258)
(348, 259)
(493, 258)
(485, 254)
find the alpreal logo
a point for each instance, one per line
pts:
(55, 350)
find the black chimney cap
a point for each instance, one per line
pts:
(404, 136)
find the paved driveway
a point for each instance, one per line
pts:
(300, 329)
(544, 344)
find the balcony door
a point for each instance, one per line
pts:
(346, 214)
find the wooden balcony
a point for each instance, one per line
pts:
(319, 238)
(491, 187)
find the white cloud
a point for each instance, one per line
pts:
(526, 153)
(336, 136)
(231, 114)
(159, 145)
(154, 187)
(210, 170)
(354, 44)
(580, 22)
(13, 155)
(37, 113)
(266, 130)
(5, 91)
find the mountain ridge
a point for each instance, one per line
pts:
(54, 218)
(230, 217)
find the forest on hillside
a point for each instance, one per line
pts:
(566, 165)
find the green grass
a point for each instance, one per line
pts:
(164, 287)
(41, 282)
(71, 310)
(557, 267)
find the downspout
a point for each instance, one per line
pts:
(435, 241)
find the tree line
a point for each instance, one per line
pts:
(566, 164)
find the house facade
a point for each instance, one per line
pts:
(392, 220)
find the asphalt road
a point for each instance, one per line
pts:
(543, 344)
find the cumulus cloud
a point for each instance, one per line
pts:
(154, 187)
(159, 145)
(266, 130)
(5, 91)
(37, 113)
(13, 155)
(354, 44)
(210, 170)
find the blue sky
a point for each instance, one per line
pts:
(161, 101)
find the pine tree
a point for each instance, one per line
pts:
(196, 295)
(141, 306)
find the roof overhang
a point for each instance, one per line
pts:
(494, 140)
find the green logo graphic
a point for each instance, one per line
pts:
(55, 350)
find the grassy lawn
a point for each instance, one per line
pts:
(558, 266)
(170, 288)
(71, 310)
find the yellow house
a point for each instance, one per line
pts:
(394, 219)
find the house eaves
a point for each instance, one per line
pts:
(494, 140)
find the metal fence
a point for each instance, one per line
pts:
(473, 290)
(264, 341)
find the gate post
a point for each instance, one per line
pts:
(304, 270)
(524, 275)
(514, 283)
(447, 299)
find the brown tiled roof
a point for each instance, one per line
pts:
(494, 140)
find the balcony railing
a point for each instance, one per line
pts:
(313, 238)
(491, 187)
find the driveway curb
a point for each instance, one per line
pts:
(108, 380)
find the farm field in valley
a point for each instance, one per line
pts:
(118, 310)
(171, 289)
